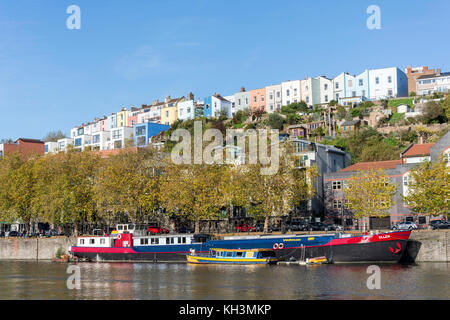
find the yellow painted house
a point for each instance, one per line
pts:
(122, 118)
(169, 113)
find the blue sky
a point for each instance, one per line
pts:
(132, 52)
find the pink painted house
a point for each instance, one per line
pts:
(258, 99)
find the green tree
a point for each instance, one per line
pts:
(54, 136)
(276, 121)
(429, 188)
(433, 112)
(128, 183)
(369, 194)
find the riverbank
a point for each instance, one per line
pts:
(423, 246)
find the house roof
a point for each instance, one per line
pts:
(416, 150)
(351, 122)
(29, 140)
(429, 76)
(390, 164)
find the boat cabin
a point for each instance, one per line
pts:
(243, 253)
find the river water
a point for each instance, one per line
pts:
(109, 281)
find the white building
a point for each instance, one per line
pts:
(119, 137)
(273, 98)
(51, 147)
(186, 110)
(387, 83)
(323, 89)
(64, 143)
(290, 92)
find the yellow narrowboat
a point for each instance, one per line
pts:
(234, 256)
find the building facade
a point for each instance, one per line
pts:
(273, 98)
(398, 172)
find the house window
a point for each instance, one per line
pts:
(254, 99)
(337, 185)
(390, 92)
(337, 96)
(295, 92)
(307, 99)
(287, 92)
(278, 94)
(389, 79)
(271, 96)
(337, 204)
(96, 138)
(354, 93)
(325, 86)
(262, 98)
(363, 93)
(361, 82)
(337, 85)
(167, 113)
(117, 134)
(140, 131)
(278, 106)
(271, 107)
(246, 100)
(377, 80)
(326, 98)
(239, 101)
(350, 83)
(78, 142)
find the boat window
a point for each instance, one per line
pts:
(102, 241)
(172, 240)
(155, 240)
(266, 254)
(163, 241)
(131, 227)
(81, 241)
(91, 241)
(229, 254)
(184, 239)
(119, 227)
(144, 241)
(179, 240)
(239, 254)
(125, 227)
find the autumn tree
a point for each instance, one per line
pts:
(429, 188)
(193, 191)
(128, 183)
(65, 187)
(369, 194)
(17, 189)
(277, 193)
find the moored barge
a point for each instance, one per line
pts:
(131, 245)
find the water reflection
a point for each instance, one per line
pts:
(111, 281)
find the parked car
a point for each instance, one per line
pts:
(2, 234)
(439, 224)
(317, 226)
(259, 227)
(335, 227)
(245, 228)
(185, 229)
(11, 234)
(407, 225)
(156, 230)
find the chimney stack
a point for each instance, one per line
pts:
(242, 89)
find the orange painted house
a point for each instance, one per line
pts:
(258, 99)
